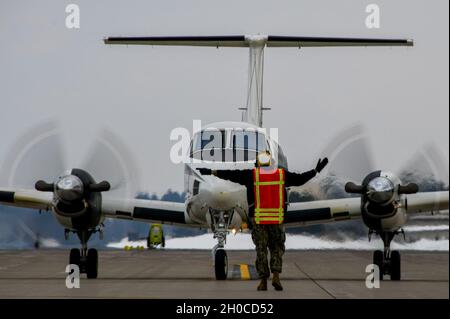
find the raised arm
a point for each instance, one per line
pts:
(295, 179)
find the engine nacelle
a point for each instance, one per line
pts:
(77, 198)
(382, 200)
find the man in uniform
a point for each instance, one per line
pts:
(266, 197)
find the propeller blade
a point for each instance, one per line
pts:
(349, 156)
(38, 154)
(428, 168)
(28, 231)
(109, 160)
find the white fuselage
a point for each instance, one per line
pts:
(208, 192)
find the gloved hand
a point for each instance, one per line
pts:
(205, 171)
(321, 164)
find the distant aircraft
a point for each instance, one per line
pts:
(76, 197)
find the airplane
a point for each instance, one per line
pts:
(383, 202)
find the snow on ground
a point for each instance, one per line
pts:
(242, 241)
(50, 243)
(425, 228)
(22, 244)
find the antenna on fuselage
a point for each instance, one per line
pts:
(253, 112)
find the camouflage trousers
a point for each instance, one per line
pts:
(272, 238)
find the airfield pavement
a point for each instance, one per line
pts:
(189, 274)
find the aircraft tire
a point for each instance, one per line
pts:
(92, 264)
(75, 257)
(395, 265)
(221, 264)
(378, 259)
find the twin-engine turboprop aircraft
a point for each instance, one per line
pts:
(76, 199)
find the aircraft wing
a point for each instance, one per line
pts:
(322, 211)
(130, 209)
(26, 198)
(427, 202)
(298, 214)
(147, 211)
(325, 211)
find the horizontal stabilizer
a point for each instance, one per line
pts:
(246, 41)
(287, 41)
(206, 41)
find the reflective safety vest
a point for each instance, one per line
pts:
(269, 195)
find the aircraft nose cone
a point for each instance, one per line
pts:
(218, 196)
(221, 194)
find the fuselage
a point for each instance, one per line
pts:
(224, 146)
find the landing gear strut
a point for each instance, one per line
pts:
(220, 223)
(388, 261)
(86, 259)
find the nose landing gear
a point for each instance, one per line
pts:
(86, 259)
(389, 262)
(220, 223)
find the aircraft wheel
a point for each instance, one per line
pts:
(221, 264)
(92, 263)
(378, 259)
(395, 265)
(75, 257)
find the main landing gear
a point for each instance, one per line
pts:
(388, 261)
(220, 223)
(86, 259)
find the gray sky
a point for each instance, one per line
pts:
(142, 93)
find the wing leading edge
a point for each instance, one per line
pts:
(298, 214)
(26, 199)
(323, 211)
(131, 209)
(147, 211)
(427, 202)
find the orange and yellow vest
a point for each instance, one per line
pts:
(269, 195)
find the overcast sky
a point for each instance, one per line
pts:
(141, 93)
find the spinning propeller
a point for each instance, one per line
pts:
(38, 156)
(352, 161)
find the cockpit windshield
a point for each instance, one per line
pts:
(244, 140)
(228, 145)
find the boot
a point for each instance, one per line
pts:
(276, 281)
(262, 285)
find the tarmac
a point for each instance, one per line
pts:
(190, 274)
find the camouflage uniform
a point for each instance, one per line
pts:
(270, 237)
